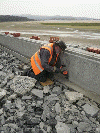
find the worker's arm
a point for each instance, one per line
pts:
(58, 64)
(45, 55)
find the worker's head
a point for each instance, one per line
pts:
(60, 46)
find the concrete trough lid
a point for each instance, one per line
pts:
(83, 53)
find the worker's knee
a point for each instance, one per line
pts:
(42, 79)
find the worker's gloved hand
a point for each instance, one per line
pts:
(56, 70)
(63, 65)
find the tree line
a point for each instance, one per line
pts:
(7, 18)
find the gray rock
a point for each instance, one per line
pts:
(81, 102)
(73, 96)
(62, 128)
(2, 93)
(83, 113)
(46, 112)
(13, 96)
(83, 126)
(26, 98)
(1, 67)
(20, 105)
(2, 73)
(2, 120)
(20, 114)
(32, 121)
(50, 98)
(22, 84)
(98, 129)
(33, 104)
(1, 111)
(70, 119)
(11, 125)
(25, 67)
(9, 84)
(39, 103)
(57, 90)
(48, 129)
(3, 83)
(52, 121)
(39, 86)
(66, 109)
(90, 110)
(58, 108)
(38, 93)
(72, 128)
(58, 118)
(10, 119)
(46, 89)
(92, 119)
(75, 123)
(10, 76)
(41, 125)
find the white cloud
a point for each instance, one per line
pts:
(86, 8)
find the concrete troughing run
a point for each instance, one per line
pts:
(83, 67)
(83, 70)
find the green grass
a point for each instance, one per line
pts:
(95, 26)
(50, 26)
(73, 24)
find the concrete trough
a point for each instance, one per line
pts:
(24, 46)
(83, 66)
(83, 71)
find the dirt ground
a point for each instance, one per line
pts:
(69, 40)
(90, 37)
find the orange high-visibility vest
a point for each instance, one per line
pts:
(36, 61)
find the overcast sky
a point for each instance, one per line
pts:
(75, 8)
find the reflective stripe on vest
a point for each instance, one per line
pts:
(37, 63)
(56, 60)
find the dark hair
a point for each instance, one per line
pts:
(61, 44)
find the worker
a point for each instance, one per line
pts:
(46, 61)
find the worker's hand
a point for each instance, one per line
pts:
(63, 65)
(56, 70)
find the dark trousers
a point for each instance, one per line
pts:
(42, 77)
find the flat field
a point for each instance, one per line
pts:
(76, 32)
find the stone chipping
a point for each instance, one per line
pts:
(28, 107)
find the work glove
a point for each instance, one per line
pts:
(56, 70)
(63, 65)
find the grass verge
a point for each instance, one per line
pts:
(76, 25)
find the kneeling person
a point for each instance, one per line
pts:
(46, 61)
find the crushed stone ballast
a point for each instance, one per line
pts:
(27, 106)
(21, 57)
